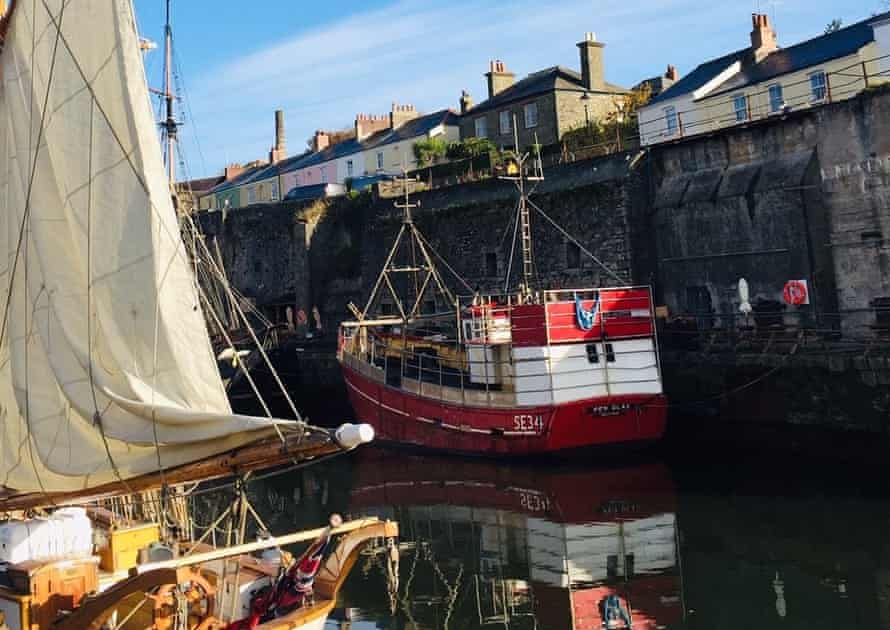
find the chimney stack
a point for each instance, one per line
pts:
(369, 124)
(466, 102)
(320, 141)
(400, 114)
(672, 75)
(279, 151)
(232, 171)
(763, 37)
(592, 73)
(499, 78)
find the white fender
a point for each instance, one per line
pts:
(350, 436)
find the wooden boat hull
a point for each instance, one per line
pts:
(400, 417)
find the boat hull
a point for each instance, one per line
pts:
(407, 419)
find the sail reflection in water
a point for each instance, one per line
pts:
(488, 545)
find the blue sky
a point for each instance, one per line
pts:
(323, 62)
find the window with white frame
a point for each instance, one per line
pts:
(818, 86)
(380, 160)
(504, 122)
(531, 115)
(273, 192)
(776, 100)
(672, 122)
(251, 194)
(740, 106)
(349, 168)
(481, 127)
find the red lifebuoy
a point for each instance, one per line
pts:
(795, 292)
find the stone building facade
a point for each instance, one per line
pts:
(545, 104)
(805, 196)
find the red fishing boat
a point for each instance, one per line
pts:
(525, 372)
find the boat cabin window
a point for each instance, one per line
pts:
(610, 353)
(593, 355)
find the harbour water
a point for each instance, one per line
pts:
(660, 540)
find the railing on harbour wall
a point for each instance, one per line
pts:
(840, 85)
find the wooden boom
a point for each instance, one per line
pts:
(264, 453)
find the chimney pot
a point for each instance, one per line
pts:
(763, 37)
(499, 78)
(279, 151)
(466, 102)
(671, 73)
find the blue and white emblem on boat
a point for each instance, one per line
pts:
(586, 319)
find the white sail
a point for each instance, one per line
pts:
(106, 369)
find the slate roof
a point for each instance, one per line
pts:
(541, 82)
(812, 52)
(701, 75)
(411, 129)
(239, 180)
(200, 186)
(809, 53)
(307, 193)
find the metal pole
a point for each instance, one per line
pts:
(169, 125)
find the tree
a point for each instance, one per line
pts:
(470, 148)
(834, 26)
(429, 150)
(617, 130)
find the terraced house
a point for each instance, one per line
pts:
(545, 104)
(381, 144)
(763, 80)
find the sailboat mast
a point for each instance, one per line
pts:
(169, 125)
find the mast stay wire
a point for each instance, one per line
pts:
(454, 273)
(256, 341)
(512, 250)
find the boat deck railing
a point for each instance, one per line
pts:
(486, 376)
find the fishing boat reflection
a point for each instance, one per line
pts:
(490, 545)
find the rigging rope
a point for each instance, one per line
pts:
(459, 278)
(571, 238)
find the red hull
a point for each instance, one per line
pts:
(400, 417)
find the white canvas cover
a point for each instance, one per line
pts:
(103, 318)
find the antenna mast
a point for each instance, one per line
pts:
(518, 177)
(169, 125)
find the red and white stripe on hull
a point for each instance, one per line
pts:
(406, 418)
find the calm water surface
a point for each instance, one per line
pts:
(722, 543)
